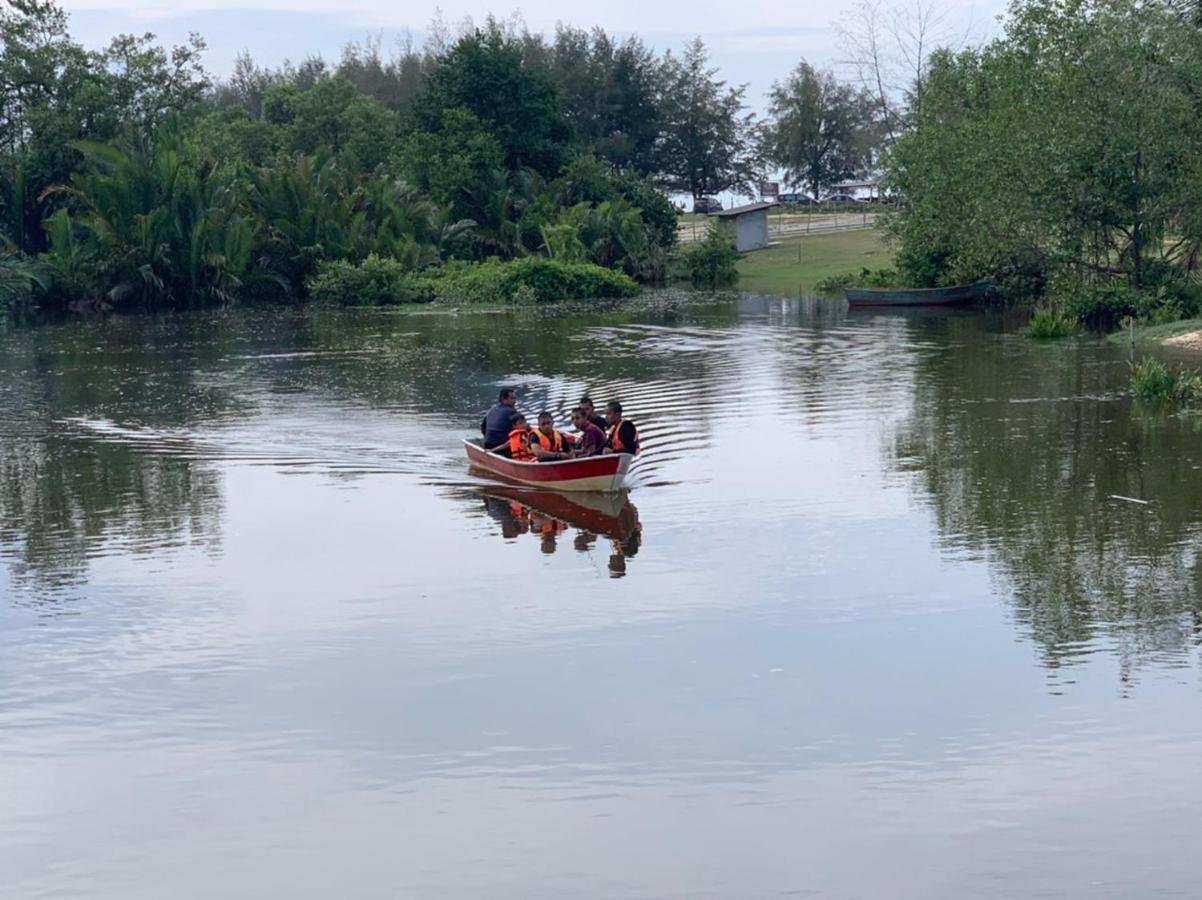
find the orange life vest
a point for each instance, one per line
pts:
(554, 443)
(518, 449)
(615, 442)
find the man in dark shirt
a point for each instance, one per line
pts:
(590, 413)
(592, 439)
(499, 421)
(623, 436)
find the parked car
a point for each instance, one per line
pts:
(797, 200)
(843, 200)
(706, 205)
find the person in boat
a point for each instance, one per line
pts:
(591, 441)
(499, 421)
(547, 444)
(590, 413)
(622, 435)
(517, 446)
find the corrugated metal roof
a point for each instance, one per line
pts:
(742, 210)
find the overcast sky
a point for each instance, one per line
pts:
(753, 41)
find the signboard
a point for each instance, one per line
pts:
(769, 190)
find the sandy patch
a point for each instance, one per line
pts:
(1191, 340)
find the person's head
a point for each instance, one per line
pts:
(546, 424)
(613, 412)
(586, 404)
(519, 422)
(579, 417)
(509, 397)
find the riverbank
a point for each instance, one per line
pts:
(799, 263)
(1183, 335)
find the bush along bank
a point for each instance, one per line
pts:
(384, 282)
(1154, 382)
(149, 187)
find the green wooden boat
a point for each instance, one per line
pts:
(963, 293)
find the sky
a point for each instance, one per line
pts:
(753, 41)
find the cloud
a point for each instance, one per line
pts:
(672, 16)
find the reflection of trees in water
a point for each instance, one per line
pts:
(64, 496)
(443, 363)
(61, 501)
(1021, 450)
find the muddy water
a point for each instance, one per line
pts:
(872, 621)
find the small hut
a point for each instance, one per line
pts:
(750, 224)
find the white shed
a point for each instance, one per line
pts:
(750, 225)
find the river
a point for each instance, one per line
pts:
(878, 618)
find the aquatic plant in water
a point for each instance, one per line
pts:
(1049, 324)
(1152, 381)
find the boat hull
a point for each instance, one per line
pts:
(965, 293)
(602, 474)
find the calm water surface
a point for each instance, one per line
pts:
(871, 622)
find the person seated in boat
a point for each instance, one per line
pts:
(622, 436)
(590, 412)
(517, 447)
(591, 440)
(499, 421)
(547, 444)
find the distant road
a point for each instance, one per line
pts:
(787, 225)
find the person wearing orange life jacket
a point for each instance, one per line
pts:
(518, 446)
(547, 444)
(623, 436)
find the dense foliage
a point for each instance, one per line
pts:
(373, 282)
(711, 261)
(129, 179)
(528, 280)
(1065, 156)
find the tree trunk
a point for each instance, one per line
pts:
(1137, 241)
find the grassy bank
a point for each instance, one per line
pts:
(777, 270)
(1155, 334)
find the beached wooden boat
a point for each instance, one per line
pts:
(963, 293)
(605, 474)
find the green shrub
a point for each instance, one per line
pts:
(866, 278)
(711, 262)
(1169, 297)
(19, 278)
(1019, 274)
(1049, 324)
(1096, 305)
(377, 281)
(532, 279)
(1152, 381)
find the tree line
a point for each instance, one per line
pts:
(1063, 159)
(130, 177)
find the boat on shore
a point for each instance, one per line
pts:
(944, 296)
(602, 474)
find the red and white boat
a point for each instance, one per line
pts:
(605, 474)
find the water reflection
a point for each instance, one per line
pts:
(548, 515)
(1025, 454)
(284, 601)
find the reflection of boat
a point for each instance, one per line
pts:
(603, 514)
(548, 514)
(918, 296)
(605, 474)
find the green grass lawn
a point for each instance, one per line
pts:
(777, 270)
(1154, 334)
